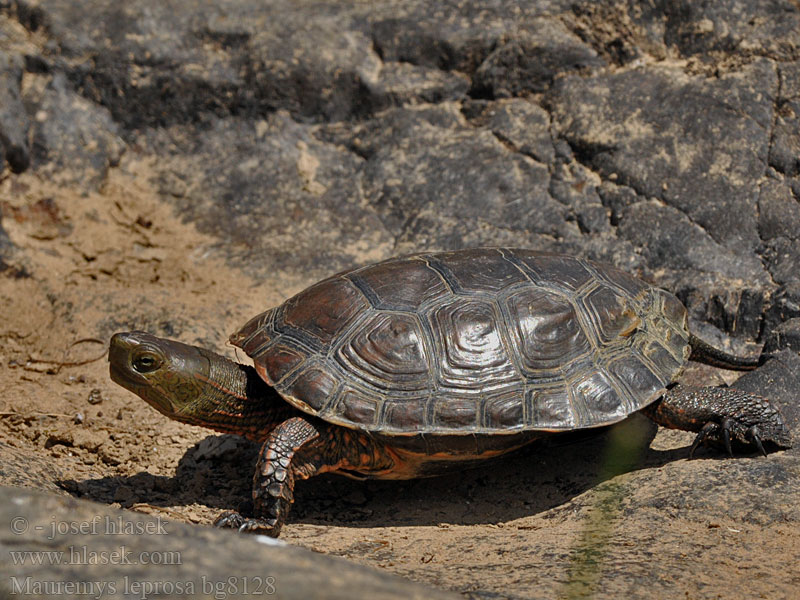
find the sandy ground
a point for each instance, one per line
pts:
(534, 525)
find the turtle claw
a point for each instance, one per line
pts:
(754, 435)
(229, 520)
(759, 445)
(234, 520)
(726, 435)
(712, 431)
(269, 527)
(708, 430)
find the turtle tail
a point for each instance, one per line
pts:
(706, 353)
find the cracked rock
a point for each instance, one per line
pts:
(282, 193)
(469, 180)
(785, 336)
(697, 144)
(529, 63)
(778, 212)
(523, 125)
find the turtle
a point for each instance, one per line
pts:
(422, 364)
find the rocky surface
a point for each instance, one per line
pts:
(180, 166)
(127, 555)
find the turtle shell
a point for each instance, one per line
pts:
(481, 341)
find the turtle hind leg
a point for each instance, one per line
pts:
(720, 416)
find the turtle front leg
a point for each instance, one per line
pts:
(283, 459)
(720, 415)
(300, 448)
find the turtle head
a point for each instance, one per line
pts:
(170, 376)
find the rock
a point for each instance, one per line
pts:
(117, 554)
(249, 59)
(785, 303)
(658, 230)
(616, 198)
(682, 143)
(530, 62)
(73, 139)
(779, 379)
(14, 122)
(321, 87)
(573, 185)
(784, 152)
(770, 29)
(423, 34)
(6, 246)
(403, 83)
(401, 178)
(692, 265)
(283, 194)
(25, 469)
(785, 336)
(436, 183)
(782, 258)
(778, 212)
(523, 125)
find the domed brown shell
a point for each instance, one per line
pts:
(483, 341)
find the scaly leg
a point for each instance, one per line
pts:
(720, 415)
(297, 449)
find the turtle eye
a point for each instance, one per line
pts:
(146, 362)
